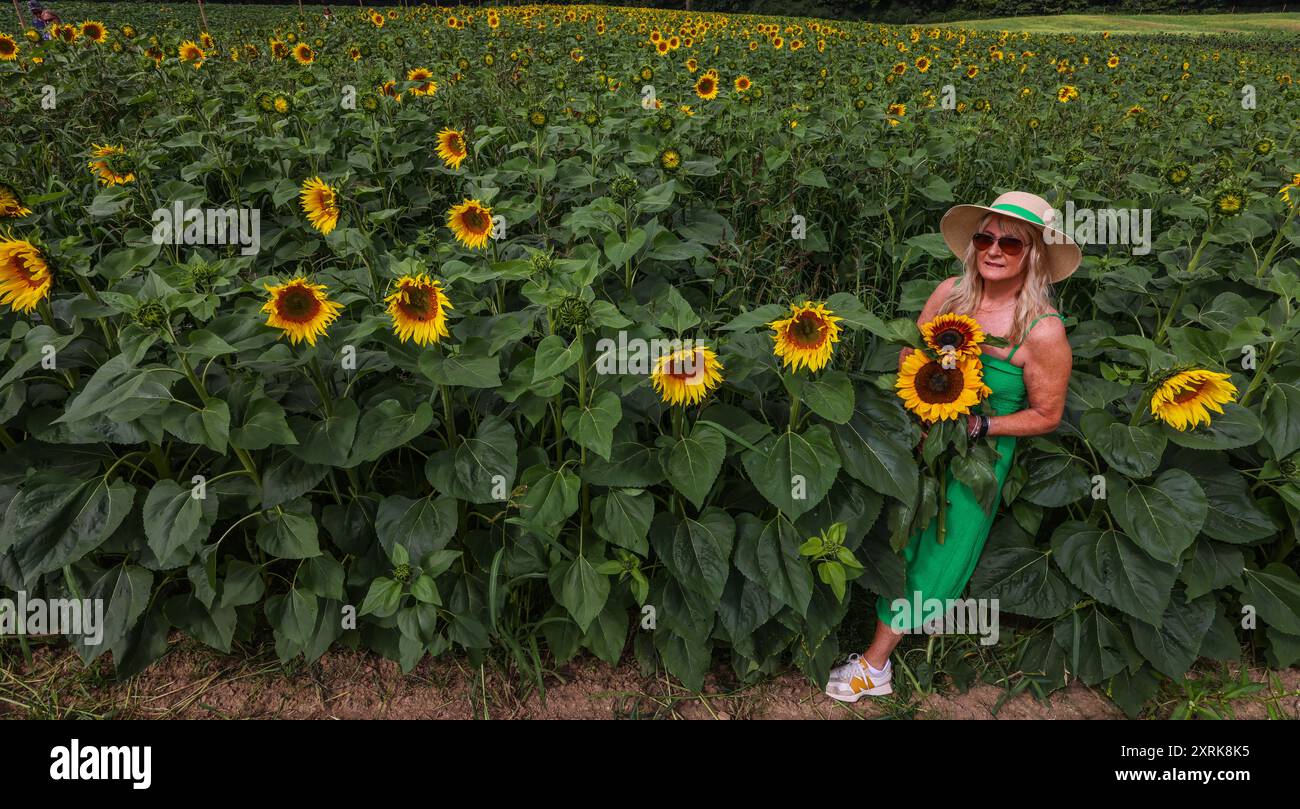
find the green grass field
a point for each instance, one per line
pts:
(1141, 23)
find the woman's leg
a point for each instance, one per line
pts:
(882, 645)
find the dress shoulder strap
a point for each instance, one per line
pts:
(1031, 328)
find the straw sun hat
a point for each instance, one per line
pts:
(962, 221)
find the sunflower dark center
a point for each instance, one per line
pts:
(298, 304)
(684, 366)
(1193, 390)
(420, 303)
(475, 220)
(938, 385)
(950, 337)
(806, 330)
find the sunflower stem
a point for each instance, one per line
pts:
(1178, 296)
(1277, 242)
(448, 416)
(943, 504)
(1259, 375)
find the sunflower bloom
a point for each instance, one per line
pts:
(470, 222)
(301, 310)
(8, 48)
(706, 87)
(807, 337)
(95, 31)
(451, 147)
(687, 375)
(320, 201)
(189, 51)
(1289, 188)
(418, 308)
(11, 204)
(111, 164)
(25, 278)
(424, 76)
(1185, 399)
(960, 333)
(303, 54)
(935, 393)
(742, 83)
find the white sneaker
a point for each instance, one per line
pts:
(851, 681)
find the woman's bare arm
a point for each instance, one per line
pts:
(1048, 362)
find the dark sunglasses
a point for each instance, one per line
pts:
(1008, 244)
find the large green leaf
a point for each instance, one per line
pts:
(385, 427)
(829, 395)
(1235, 427)
(1232, 514)
(1211, 566)
(175, 518)
(124, 591)
(50, 525)
(794, 471)
(877, 457)
(554, 356)
(551, 499)
(1108, 566)
(289, 532)
(1274, 592)
(420, 526)
(592, 426)
(579, 589)
(623, 517)
(482, 469)
(1173, 646)
(1020, 574)
(117, 384)
(693, 463)
(768, 555)
(293, 614)
(1104, 645)
(1281, 419)
(1055, 479)
(264, 425)
(1135, 451)
(327, 441)
(701, 551)
(1163, 517)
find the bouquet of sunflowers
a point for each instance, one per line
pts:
(941, 381)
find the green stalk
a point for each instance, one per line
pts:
(1277, 242)
(197, 384)
(1178, 296)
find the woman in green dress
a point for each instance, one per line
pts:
(1012, 255)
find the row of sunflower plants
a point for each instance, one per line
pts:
(428, 411)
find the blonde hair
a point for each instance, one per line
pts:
(1035, 296)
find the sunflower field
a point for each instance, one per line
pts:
(394, 399)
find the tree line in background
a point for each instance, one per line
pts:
(887, 11)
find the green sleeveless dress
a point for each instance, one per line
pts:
(940, 572)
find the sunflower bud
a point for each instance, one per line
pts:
(402, 573)
(542, 263)
(150, 314)
(574, 312)
(203, 275)
(623, 187)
